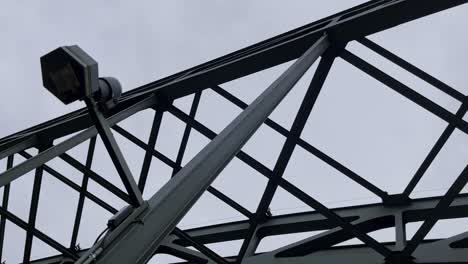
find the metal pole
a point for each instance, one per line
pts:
(149, 149)
(33, 208)
(138, 242)
(6, 197)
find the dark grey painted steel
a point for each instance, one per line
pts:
(226, 199)
(436, 252)
(434, 151)
(33, 209)
(94, 176)
(413, 69)
(143, 145)
(52, 152)
(338, 225)
(184, 253)
(434, 216)
(177, 164)
(149, 149)
(200, 247)
(37, 234)
(115, 154)
(24, 144)
(186, 135)
(6, 197)
(81, 198)
(406, 91)
(184, 189)
(251, 241)
(314, 221)
(354, 23)
(313, 150)
(73, 185)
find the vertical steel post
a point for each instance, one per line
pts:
(186, 135)
(400, 232)
(34, 206)
(84, 187)
(6, 197)
(149, 149)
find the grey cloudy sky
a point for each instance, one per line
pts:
(386, 138)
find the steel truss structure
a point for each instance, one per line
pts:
(151, 228)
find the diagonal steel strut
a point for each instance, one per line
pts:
(136, 243)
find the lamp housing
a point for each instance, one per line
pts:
(69, 73)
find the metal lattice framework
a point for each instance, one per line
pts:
(323, 40)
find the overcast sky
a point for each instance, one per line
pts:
(386, 139)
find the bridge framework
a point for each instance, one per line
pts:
(151, 228)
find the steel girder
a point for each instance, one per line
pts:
(370, 217)
(351, 24)
(326, 38)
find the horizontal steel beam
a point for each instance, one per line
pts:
(16, 147)
(434, 252)
(314, 221)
